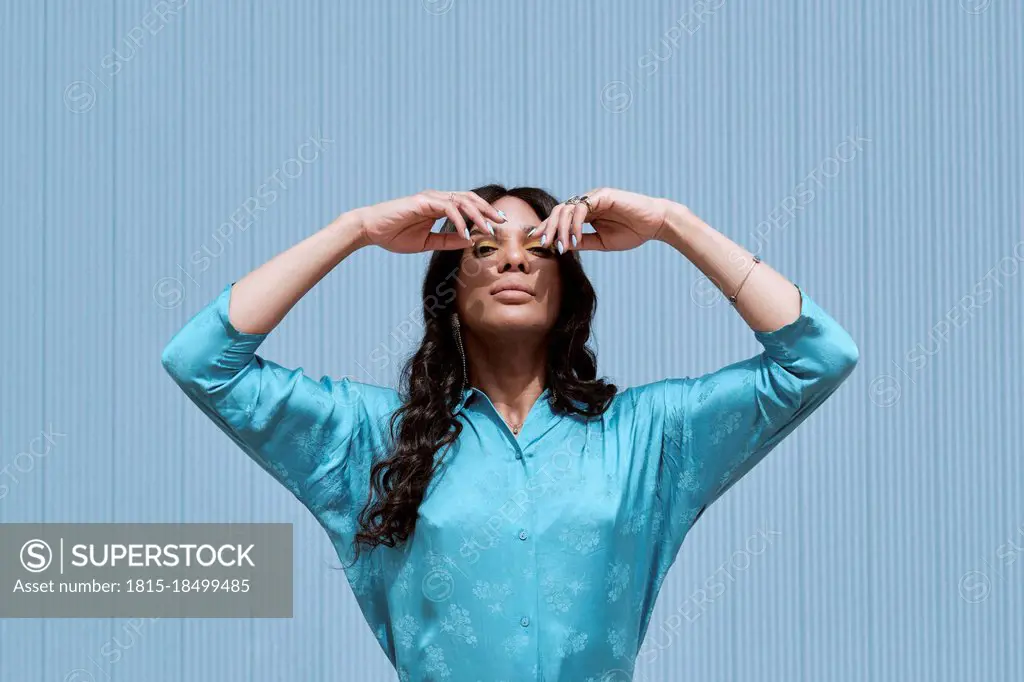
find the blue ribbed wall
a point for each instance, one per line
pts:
(888, 515)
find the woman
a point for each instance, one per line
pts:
(510, 515)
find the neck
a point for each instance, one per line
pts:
(511, 371)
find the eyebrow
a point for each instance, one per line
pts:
(477, 228)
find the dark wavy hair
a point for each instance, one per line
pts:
(433, 377)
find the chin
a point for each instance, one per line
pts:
(517, 317)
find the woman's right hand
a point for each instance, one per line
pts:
(404, 225)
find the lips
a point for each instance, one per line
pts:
(511, 286)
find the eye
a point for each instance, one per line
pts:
(535, 248)
(482, 250)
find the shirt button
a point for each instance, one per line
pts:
(522, 535)
(524, 621)
(519, 455)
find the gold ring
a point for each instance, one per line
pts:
(586, 200)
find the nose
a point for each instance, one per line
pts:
(513, 256)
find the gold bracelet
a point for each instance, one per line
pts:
(732, 299)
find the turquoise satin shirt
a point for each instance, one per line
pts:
(537, 557)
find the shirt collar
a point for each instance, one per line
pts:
(471, 393)
(467, 396)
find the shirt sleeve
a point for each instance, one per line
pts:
(305, 433)
(720, 424)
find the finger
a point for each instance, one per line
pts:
(452, 211)
(536, 230)
(545, 231)
(591, 241)
(597, 197)
(473, 213)
(485, 208)
(597, 200)
(444, 241)
(576, 228)
(562, 243)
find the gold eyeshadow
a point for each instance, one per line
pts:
(532, 244)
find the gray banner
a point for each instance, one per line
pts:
(131, 570)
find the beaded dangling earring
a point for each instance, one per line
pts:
(457, 333)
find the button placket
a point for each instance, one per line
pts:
(526, 556)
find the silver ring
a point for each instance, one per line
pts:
(572, 201)
(451, 197)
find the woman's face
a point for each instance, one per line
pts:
(509, 282)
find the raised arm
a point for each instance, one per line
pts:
(696, 437)
(303, 431)
(722, 423)
(285, 420)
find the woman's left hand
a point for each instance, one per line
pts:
(622, 220)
